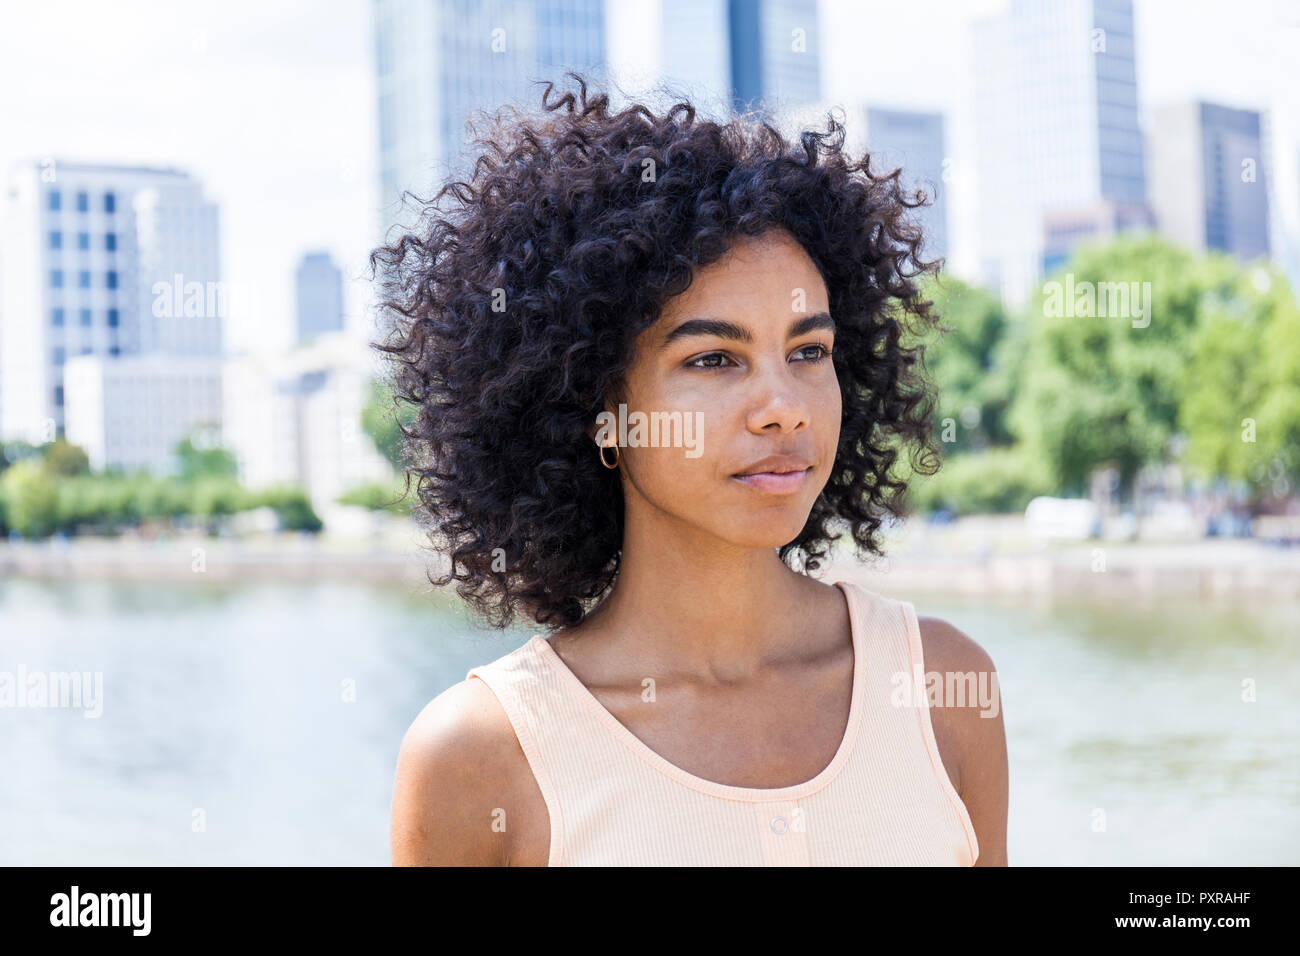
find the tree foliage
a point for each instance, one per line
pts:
(382, 419)
(1205, 371)
(975, 362)
(205, 462)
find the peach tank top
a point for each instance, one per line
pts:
(883, 800)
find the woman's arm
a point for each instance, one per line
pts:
(973, 746)
(457, 797)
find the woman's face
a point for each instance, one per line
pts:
(743, 357)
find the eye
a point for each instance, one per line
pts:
(695, 362)
(823, 353)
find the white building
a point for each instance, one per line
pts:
(437, 61)
(762, 55)
(914, 141)
(319, 286)
(1209, 187)
(295, 418)
(1055, 107)
(130, 412)
(179, 269)
(89, 256)
(1281, 150)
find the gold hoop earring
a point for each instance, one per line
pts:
(605, 461)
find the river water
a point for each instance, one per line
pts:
(259, 724)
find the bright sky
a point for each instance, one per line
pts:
(271, 102)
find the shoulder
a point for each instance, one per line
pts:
(947, 647)
(963, 691)
(966, 714)
(461, 789)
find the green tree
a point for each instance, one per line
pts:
(292, 508)
(204, 462)
(216, 497)
(159, 497)
(377, 496)
(997, 480)
(382, 419)
(31, 499)
(1236, 400)
(64, 459)
(15, 451)
(1107, 389)
(1278, 420)
(973, 366)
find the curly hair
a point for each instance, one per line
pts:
(510, 314)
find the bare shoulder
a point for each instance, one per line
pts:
(461, 792)
(969, 730)
(946, 646)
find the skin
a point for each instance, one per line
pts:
(753, 662)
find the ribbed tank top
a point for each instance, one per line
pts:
(883, 800)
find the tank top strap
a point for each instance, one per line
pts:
(899, 729)
(551, 728)
(884, 639)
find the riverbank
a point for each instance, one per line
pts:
(993, 555)
(1205, 569)
(182, 558)
(972, 556)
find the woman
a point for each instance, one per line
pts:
(655, 362)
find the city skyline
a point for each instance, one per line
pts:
(86, 251)
(316, 178)
(182, 80)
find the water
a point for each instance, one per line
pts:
(227, 736)
(223, 706)
(1129, 741)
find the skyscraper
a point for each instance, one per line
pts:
(319, 286)
(1280, 138)
(759, 54)
(440, 60)
(1209, 185)
(1054, 89)
(914, 141)
(95, 257)
(1281, 148)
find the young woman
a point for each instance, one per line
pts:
(697, 700)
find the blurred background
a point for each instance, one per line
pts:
(215, 624)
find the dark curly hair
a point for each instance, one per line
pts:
(559, 221)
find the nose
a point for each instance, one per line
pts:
(777, 401)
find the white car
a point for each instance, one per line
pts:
(1064, 519)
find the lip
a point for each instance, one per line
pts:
(775, 483)
(776, 474)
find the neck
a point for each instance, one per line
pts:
(700, 605)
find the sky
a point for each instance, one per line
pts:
(271, 104)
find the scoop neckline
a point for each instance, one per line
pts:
(748, 794)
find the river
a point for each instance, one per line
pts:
(260, 724)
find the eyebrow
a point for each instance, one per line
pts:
(724, 329)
